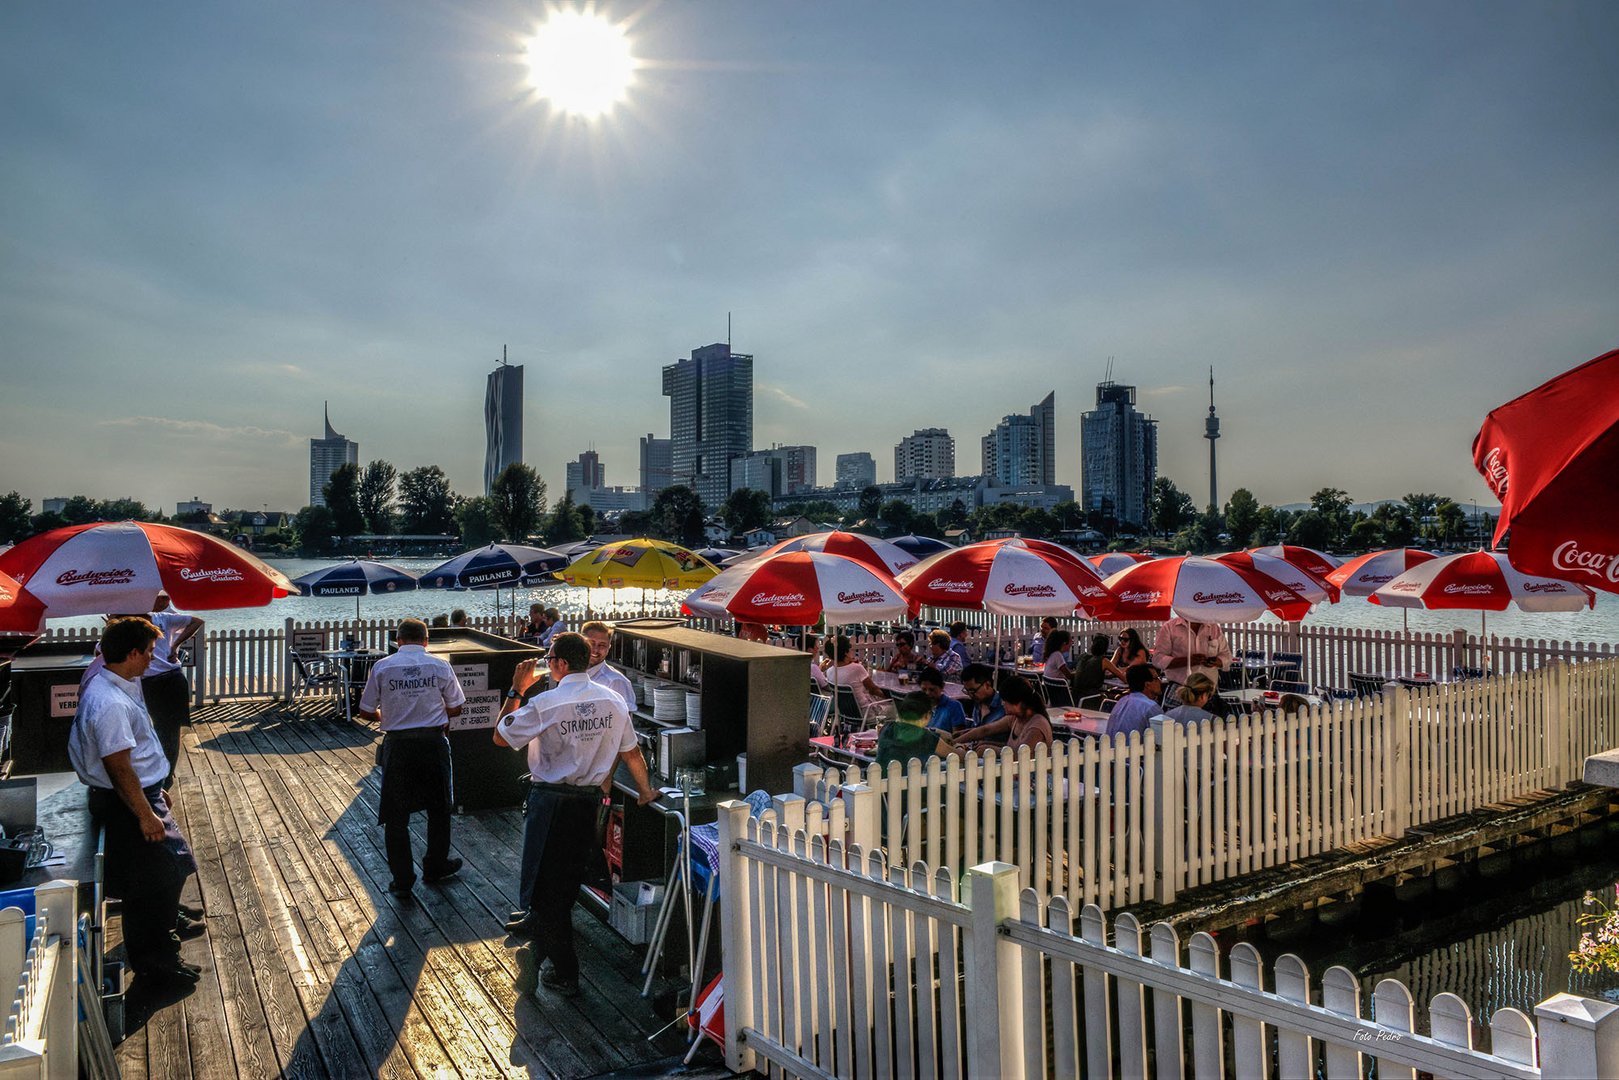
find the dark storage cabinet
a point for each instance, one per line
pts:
(485, 775)
(44, 696)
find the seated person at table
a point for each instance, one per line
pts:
(1183, 648)
(1037, 647)
(1137, 708)
(842, 669)
(986, 710)
(1194, 699)
(942, 656)
(1130, 653)
(908, 737)
(905, 657)
(1056, 667)
(946, 712)
(1090, 670)
(752, 631)
(1030, 725)
(958, 642)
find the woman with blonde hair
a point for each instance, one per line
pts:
(1194, 697)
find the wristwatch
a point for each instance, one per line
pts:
(513, 695)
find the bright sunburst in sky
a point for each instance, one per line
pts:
(580, 62)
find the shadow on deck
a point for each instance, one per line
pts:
(311, 969)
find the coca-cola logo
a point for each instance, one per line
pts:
(946, 585)
(777, 599)
(1457, 588)
(1568, 556)
(95, 577)
(213, 575)
(1495, 472)
(870, 596)
(1218, 598)
(1013, 589)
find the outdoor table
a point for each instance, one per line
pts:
(1263, 699)
(894, 685)
(1078, 721)
(354, 665)
(853, 753)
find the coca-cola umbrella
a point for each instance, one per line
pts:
(121, 566)
(801, 588)
(1552, 458)
(355, 578)
(1203, 590)
(1111, 562)
(870, 550)
(21, 612)
(1313, 588)
(1481, 581)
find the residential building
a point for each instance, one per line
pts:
(1118, 455)
(326, 456)
(502, 421)
(54, 505)
(1021, 450)
(585, 474)
(655, 474)
(926, 454)
(710, 418)
(856, 471)
(797, 467)
(760, 471)
(181, 509)
(612, 500)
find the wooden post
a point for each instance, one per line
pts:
(736, 917)
(1171, 814)
(1460, 654)
(806, 779)
(1563, 762)
(1397, 756)
(1578, 1036)
(864, 817)
(790, 810)
(994, 989)
(199, 668)
(286, 662)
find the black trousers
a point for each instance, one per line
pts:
(559, 846)
(168, 700)
(415, 777)
(147, 876)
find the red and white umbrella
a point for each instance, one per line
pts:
(121, 566)
(1551, 457)
(1008, 577)
(1112, 562)
(1312, 588)
(1307, 559)
(1365, 574)
(1203, 590)
(1480, 581)
(20, 610)
(874, 552)
(799, 588)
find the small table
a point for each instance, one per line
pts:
(354, 665)
(1264, 699)
(855, 754)
(890, 681)
(1076, 721)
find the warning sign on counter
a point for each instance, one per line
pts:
(308, 643)
(472, 677)
(65, 700)
(480, 711)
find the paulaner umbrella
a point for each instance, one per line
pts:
(355, 578)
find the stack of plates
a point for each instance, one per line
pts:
(694, 709)
(669, 705)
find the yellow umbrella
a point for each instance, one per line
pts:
(642, 563)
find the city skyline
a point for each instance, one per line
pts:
(1377, 222)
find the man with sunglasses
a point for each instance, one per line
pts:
(576, 734)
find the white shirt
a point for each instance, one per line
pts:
(1177, 641)
(853, 675)
(550, 632)
(574, 732)
(171, 624)
(413, 689)
(112, 717)
(605, 674)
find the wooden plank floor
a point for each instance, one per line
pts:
(310, 967)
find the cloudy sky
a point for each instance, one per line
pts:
(1377, 222)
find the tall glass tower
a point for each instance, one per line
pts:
(1118, 455)
(502, 420)
(710, 418)
(326, 456)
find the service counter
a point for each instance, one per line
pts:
(44, 696)
(485, 776)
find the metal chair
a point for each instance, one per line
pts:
(1286, 665)
(1057, 692)
(820, 708)
(1289, 686)
(315, 675)
(1366, 685)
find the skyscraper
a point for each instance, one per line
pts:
(654, 465)
(585, 474)
(1022, 450)
(797, 468)
(856, 471)
(1211, 431)
(925, 454)
(502, 420)
(710, 418)
(1118, 455)
(326, 456)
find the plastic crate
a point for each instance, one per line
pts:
(634, 909)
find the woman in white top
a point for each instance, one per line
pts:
(845, 670)
(1057, 668)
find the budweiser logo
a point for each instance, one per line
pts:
(946, 585)
(1217, 598)
(217, 574)
(1568, 556)
(1030, 590)
(95, 577)
(870, 596)
(6, 594)
(1405, 587)
(1555, 587)
(777, 599)
(1374, 579)
(1495, 472)
(1147, 597)
(1457, 588)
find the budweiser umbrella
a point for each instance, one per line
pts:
(1365, 574)
(1552, 458)
(1311, 561)
(1112, 562)
(862, 548)
(1480, 581)
(1313, 588)
(1008, 577)
(1203, 590)
(121, 566)
(20, 610)
(799, 588)
(355, 578)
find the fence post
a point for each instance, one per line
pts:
(1564, 763)
(199, 668)
(286, 662)
(736, 917)
(1578, 1036)
(864, 816)
(1171, 781)
(1397, 756)
(1460, 654)
(790, 810)
(54, 902)
(806, 779)
(994, 984)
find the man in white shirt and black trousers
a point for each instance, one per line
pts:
(414, 694)
(116, 753)
(576, 734)
(167, 693)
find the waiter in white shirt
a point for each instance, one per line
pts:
(116, 754)
(576, 734)
(1183, 648)
(168, 694)
(600, 638)
(414, 694)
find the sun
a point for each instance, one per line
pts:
(580, 62)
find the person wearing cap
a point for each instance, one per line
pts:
(167, 693)
(907, 736)
(412, 695)
(575, 734)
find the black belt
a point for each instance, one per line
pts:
(571, 790)
(416, 733)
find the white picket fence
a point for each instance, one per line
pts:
(838, 964)
(40, 1040)
(1118, 820)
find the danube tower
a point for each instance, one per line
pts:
(1211, 431)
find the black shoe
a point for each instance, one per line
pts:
(186, 928)
(174, 973)
(401, 889)
(450, 868)
(523, 925)
(194, 911)
(554, 982)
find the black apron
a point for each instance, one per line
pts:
(132, 861)
(415, 773)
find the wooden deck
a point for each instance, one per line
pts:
(310, 967)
